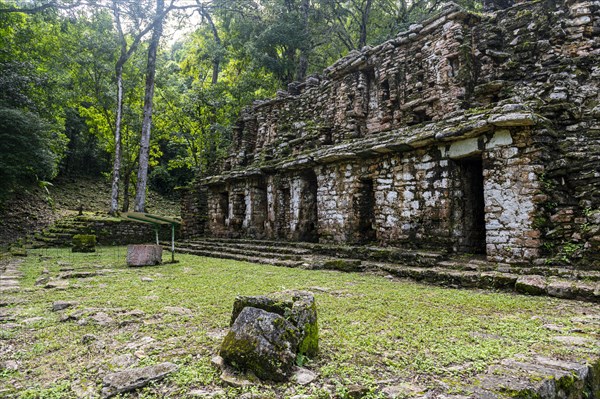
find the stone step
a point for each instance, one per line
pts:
(371, 253)
(244, 258)
(246, 246)
(57, 236)
(54, 241)
(61, 230)
(272, 243)
(525, 284)
(434, 268)
(242, 251)
(547, 271)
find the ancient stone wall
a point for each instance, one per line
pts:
(472, 133)
(194, 211)
(109, 232)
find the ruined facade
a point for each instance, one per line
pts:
(468, 133)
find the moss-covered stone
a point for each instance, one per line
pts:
(343, 265)
(296, 313)
(84, 243)
(262, 342)
(18, 251)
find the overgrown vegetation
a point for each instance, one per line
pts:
(373, 331)
(58, 85)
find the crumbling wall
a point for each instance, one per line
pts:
(546, 55)
(395, 134)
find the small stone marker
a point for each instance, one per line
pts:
(144, 255)
(128, 380)
(84, 243)
(304, 376)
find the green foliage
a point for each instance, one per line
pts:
(31, 149)
(60, 66)
(59, 390)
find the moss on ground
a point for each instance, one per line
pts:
(371, 329)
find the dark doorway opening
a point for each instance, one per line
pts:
(283, 211)
(223, 207)
(307, 228)
(364, 204)
(472, 239)
(239, 210)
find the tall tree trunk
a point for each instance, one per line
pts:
(303, 60)
(217, 38)
(114, 199)
(126, 183)
(142, 180)
(364, 24)
(125, 55)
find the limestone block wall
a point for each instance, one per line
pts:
(336, 186)
(408, 80)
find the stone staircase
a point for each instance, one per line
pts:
(427, 266)
(60, 234)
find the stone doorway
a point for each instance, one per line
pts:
(364, 205)
(239, 211)
(257, 218)
(471, 207)
(223, 208)
(283, 211)
(307, 224)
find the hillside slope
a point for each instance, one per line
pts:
(32, 210)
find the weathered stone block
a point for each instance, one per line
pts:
(84, 243)
(144, 255)
(298, 307)
(531, 284)
(562, 289)
(343, 265)
(62, 305)
(262, 342)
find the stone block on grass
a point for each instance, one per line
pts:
(262, 342)
(84, 243)
(298, 307)
(144, 255)
(268, 333)
(128, 380)
(532, 285)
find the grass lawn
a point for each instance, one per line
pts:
(374, 331)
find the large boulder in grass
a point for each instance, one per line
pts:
(144, 255)
(262, 342)
(298, 307)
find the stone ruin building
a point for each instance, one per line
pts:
(471, 133)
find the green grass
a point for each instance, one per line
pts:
(371, 329)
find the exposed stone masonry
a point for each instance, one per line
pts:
(473, 133)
